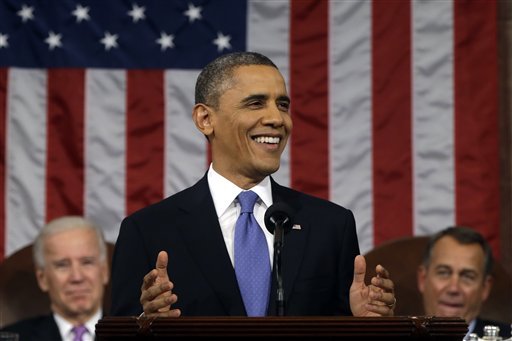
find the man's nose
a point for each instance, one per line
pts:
(76, 272)
(274, 117)
(454, 284)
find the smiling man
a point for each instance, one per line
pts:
(455, 277)
(70, 257)
(208, 245)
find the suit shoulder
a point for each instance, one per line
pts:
(31, 326)
(308, 200)
(174, 201)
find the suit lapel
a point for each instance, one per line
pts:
(202, 235)
(204, 239)
(293, 246)
(47, 329)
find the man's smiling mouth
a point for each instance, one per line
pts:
(267, 139)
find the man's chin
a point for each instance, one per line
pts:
(80, 308)
(450, 312)
(269, 168)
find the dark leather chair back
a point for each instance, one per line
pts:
(20, 295)
(402, 258)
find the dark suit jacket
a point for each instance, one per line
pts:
(505, 332)
(40, 328)
(317, 260)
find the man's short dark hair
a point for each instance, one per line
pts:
(213, 78)
(465, 236)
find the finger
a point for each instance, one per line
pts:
(383, 283)
(161, 265)
(151, 293)
(382, 271)
(149, 279)
(382, 298)
(381, 310)
(170, 313)
(359, 269)
(375, 289)
(155, 305)
(159, 305)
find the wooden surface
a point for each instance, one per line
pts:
(353, 328)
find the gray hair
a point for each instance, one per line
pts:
(465, 236)
(215, 76)
(65, 223)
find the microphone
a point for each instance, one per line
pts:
(278, 221)
(279, 214)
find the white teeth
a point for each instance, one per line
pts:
(267, 139)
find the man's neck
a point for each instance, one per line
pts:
(80, 319)
(239, 180)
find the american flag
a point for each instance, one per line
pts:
(394, 102)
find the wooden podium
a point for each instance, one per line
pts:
(304, 328)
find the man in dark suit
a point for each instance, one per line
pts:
(71, 262)
(455, 277)
(243, 109)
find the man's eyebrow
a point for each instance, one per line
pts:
(256, 97)
(469, 271)
(59, 261)
(263, 97)
(443, 266)
(284, 98)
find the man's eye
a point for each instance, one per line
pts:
(284, 106)
(468, 277)
(254, 104)
(89, 262)
(443, 273)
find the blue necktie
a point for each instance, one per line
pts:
(252, 262)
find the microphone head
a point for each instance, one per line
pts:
(279, 213)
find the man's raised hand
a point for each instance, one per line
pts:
(156, 295)
(375, 299)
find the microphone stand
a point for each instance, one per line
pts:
(278, 247)
(278, 220)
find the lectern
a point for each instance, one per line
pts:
(303, 328)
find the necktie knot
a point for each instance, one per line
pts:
(247, 200)
(79, 331)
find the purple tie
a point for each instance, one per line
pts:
(79, 331)
(252, 262)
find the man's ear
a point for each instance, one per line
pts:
(202, 116)
(105, 271)
(41, 279)
(487, 286)
(422, 274)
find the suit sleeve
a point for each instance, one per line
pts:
(130, 263)
(348, 251)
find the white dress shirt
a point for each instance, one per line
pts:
(66, 331)
(224, 194)
(471, 327)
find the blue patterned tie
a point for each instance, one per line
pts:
(252, 262)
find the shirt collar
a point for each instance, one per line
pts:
(224, 191)
(471, 326)
(65, 327)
